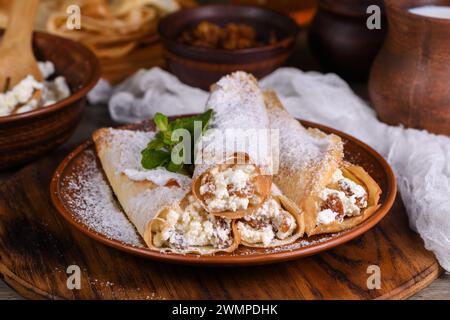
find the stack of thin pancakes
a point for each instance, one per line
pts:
(294, 184)
(112, 29)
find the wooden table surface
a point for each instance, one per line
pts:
(97, 116)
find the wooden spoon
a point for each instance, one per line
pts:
(16, 52)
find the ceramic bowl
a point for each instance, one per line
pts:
(201, 67)
(26, 136)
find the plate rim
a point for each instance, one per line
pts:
(228, 260)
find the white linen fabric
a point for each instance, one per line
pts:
(146, 93)
(421, 160)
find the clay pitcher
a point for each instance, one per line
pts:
(410, 78)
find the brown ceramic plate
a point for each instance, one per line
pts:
(72, 172)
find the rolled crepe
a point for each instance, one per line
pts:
(325, 214)
(309, 163)
(232, 174)
(188, 228)
(277, 222)
(147, 196)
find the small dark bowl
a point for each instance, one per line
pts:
(23, 137)
(201, 67)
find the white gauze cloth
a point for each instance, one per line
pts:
(421, 160)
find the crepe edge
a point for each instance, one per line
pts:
(296, 212)
(359, 175)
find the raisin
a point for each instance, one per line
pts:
(361, 202)
(220, 223)
(333, 203)
(256, 224)
(208, 181)
(245, 192)
(284, 226)
(345, 188)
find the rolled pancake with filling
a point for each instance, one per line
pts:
(312, 172)
(278, 222)
(350, 197)
(146, 196)
(233, 177)
(187, 227)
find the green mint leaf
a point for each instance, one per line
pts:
(167, 138)
(174, 167)
(155, 144)
(152, 159)
(182, 123)
(158, 151)
(188, 123)
(161, 121)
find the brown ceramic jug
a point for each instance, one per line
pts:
(340, 39)
(410, 78)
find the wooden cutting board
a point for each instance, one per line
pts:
(37, 246)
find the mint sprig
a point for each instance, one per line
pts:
(158, 151)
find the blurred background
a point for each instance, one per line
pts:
(123, 34)
(301, 10)
(118, 29)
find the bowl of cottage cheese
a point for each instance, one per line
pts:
(36, 117)
(30, 94)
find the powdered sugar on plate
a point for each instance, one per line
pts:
(94, 203)
(302, 243)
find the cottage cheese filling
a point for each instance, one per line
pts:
(230, 189)
(193, 227)
(268, 223)
(22, 98)
(343, 198)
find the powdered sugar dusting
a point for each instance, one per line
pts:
(145, 206)
(128, 154)
(93, 201)
(303, 243)
(238, 103)
(90, 197)
(275, 190)
(310, 154)
(297, 245)
(159, 176)
(238, 112)
(127, 145)
(298, 148)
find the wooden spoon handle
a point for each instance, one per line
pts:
(20, 23)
